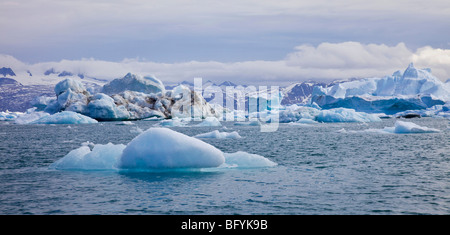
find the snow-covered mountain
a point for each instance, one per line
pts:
(7, 72)
(412, 89)
(299, 93)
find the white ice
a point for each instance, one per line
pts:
(165, 148)
(156, 149)
(64, 117)
(402, 127)
(210, 121)
(345, 115)
(101, 157)
(219, 135)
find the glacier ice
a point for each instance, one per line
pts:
(101, 157)
(102, 107)
(345, 115)
(156, 149)
(130, 98)
(30, 116)
(210, 121)
(246, 160)
(219, 135)
(9, 116)
(310, 115)
(69, 84)
(165, 148)
(64, 117)
(174, 122)
(412, 89)
(402, 127)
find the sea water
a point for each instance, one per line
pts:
(324, 168)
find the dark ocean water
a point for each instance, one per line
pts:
(334, 168)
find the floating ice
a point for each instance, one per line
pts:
(400, 127)
(250, 123)
(165, 148)
(64, 117)
(69, 84)
(101, 157)
(210, 121)
(408, 128)
(125, 123)
(156, 149)
(103, 107)
(9, 116)
(30, 116)
(219, 135)
(345, 115)
(175, 122)
(246, 160)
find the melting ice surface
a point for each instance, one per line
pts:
(156, 148)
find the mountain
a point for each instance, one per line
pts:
(298, 93)
(7, 71)
(16, 97)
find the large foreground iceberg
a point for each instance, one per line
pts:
(165, 148)
(100, 157)
(156, 149)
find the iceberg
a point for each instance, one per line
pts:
(175, 122)
(156, 149)
(402, 127)
(9, 116)
(219, 135)
(69, 84)
(64, 117)
(30, 116)
(246, 160)
(295, 113)
(210, 121)
(102, 107)
(165, 148)
(131, 98)
(345, 115)
(412, 89)
(101, 157)
(249, 123)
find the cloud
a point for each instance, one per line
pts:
(37, 30)
(326, 61)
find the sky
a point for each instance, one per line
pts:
(268, 41)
